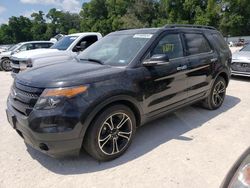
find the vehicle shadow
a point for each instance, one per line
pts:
(148, 137)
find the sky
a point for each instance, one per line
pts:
(10, 8)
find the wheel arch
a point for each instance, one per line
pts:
(225, 76)
(128, 101)
(5, 57)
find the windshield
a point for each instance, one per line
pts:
(246, 48)
(64, 43)
(13, 48)
(117, 50)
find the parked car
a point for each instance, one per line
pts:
(241, 62)
(23, 46)
(65, 49)
(239, 174)
(119, 83)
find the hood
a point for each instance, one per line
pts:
(68, 74)
(242, 55)
(33, 54)
(2, 50)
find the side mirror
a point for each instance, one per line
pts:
(156, 60)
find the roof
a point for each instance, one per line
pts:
(138, 31)
(166, 27)
(31, 42)
(86, 33)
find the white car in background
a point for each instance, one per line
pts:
(65, 49)
(23, 46)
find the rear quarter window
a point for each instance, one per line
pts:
(196, 44)
(219, 40)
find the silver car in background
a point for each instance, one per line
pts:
(20, 47)
(241, 62)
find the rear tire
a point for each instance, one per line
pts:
(5, 64)
(217, 95)
(111, 133)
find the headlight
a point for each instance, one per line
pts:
(52, 98)
(241, 178)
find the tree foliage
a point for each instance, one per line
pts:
(231, 17)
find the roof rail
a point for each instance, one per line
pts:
(189, 26)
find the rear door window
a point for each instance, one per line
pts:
(42, 45)
(196, 44)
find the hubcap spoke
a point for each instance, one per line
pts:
(109, 125)
(123, 121)
(115, 146)
(105, 140)
(124, 134)
(219, 99)
(222, 90)
(111, 122)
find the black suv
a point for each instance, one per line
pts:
(119, 83)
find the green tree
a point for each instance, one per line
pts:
(39, 26)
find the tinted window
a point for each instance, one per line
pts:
(220, 41)
(169, 45)
(196, 44)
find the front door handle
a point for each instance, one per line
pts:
(214, 60)
(184, 67)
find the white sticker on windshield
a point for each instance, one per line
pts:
(143, 36)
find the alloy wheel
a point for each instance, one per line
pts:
(6, 65)
(219, 93)
(115, 133)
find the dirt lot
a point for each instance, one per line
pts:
(192, 147)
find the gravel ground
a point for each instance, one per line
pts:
(192, 147)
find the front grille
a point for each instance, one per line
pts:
(15, 61)
(23, 98)
(240, 67)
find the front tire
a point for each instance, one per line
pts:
(217, 95)
(111, 133)
(5, 64)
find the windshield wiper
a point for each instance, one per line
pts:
(94, 60)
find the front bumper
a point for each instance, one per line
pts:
(240, 68)
(53, 144)
(238, 73)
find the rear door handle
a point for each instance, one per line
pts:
(184, 67)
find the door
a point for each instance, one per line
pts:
(200, 58)
(165, 85)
